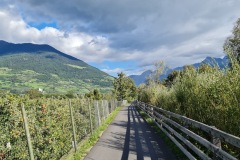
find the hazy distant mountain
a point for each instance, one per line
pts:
(26, 66)
(138, 79)
(220, 62)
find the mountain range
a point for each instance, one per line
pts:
(211, 61)
(32, 66)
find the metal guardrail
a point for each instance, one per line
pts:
(177, 128)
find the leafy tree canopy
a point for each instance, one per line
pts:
(95, 94)
(124, 87)
(34, 93)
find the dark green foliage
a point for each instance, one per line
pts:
(95, 94)
(205, 68)
(207, 94)
(124, 87)
(70, 94)
(48, 122)
(3, 92)
(34, 93)
(171, 78)
(188, 69)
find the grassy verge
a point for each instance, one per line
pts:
(85, 145)
(176, 151)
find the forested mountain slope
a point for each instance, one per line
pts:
(27, 66)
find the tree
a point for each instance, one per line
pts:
(171, 78)
(159, 69)
(124, 87)
(232, 43)
(188, 70)
(205, 68)
(34, 93)
(70, 94)
(95, 94)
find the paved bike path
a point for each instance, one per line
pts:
(129, 137)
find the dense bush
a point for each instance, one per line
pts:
(49, 125)
(208, 95)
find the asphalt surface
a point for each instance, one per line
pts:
(130, 137)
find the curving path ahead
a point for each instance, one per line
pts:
(129, 137)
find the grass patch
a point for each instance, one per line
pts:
(176, 151)
(75, 66)
(85, 145)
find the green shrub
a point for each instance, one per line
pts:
(208, 95)
(49, 125)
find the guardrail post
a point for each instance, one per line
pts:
(217, 142)
(152, 113)
(186, 130)
(186, 125)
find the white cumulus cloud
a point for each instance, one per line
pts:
(179, 32)
(78, 44)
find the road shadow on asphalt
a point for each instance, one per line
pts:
(139, 138)
(147, 141)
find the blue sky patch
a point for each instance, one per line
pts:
(126, 66)
(43, 25)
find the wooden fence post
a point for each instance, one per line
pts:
(90, 115)
(73, 126)
(152, 113)
(27, 133)
(217, 142)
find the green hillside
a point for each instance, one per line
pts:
(48, 69)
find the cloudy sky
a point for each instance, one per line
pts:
(125, 35)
